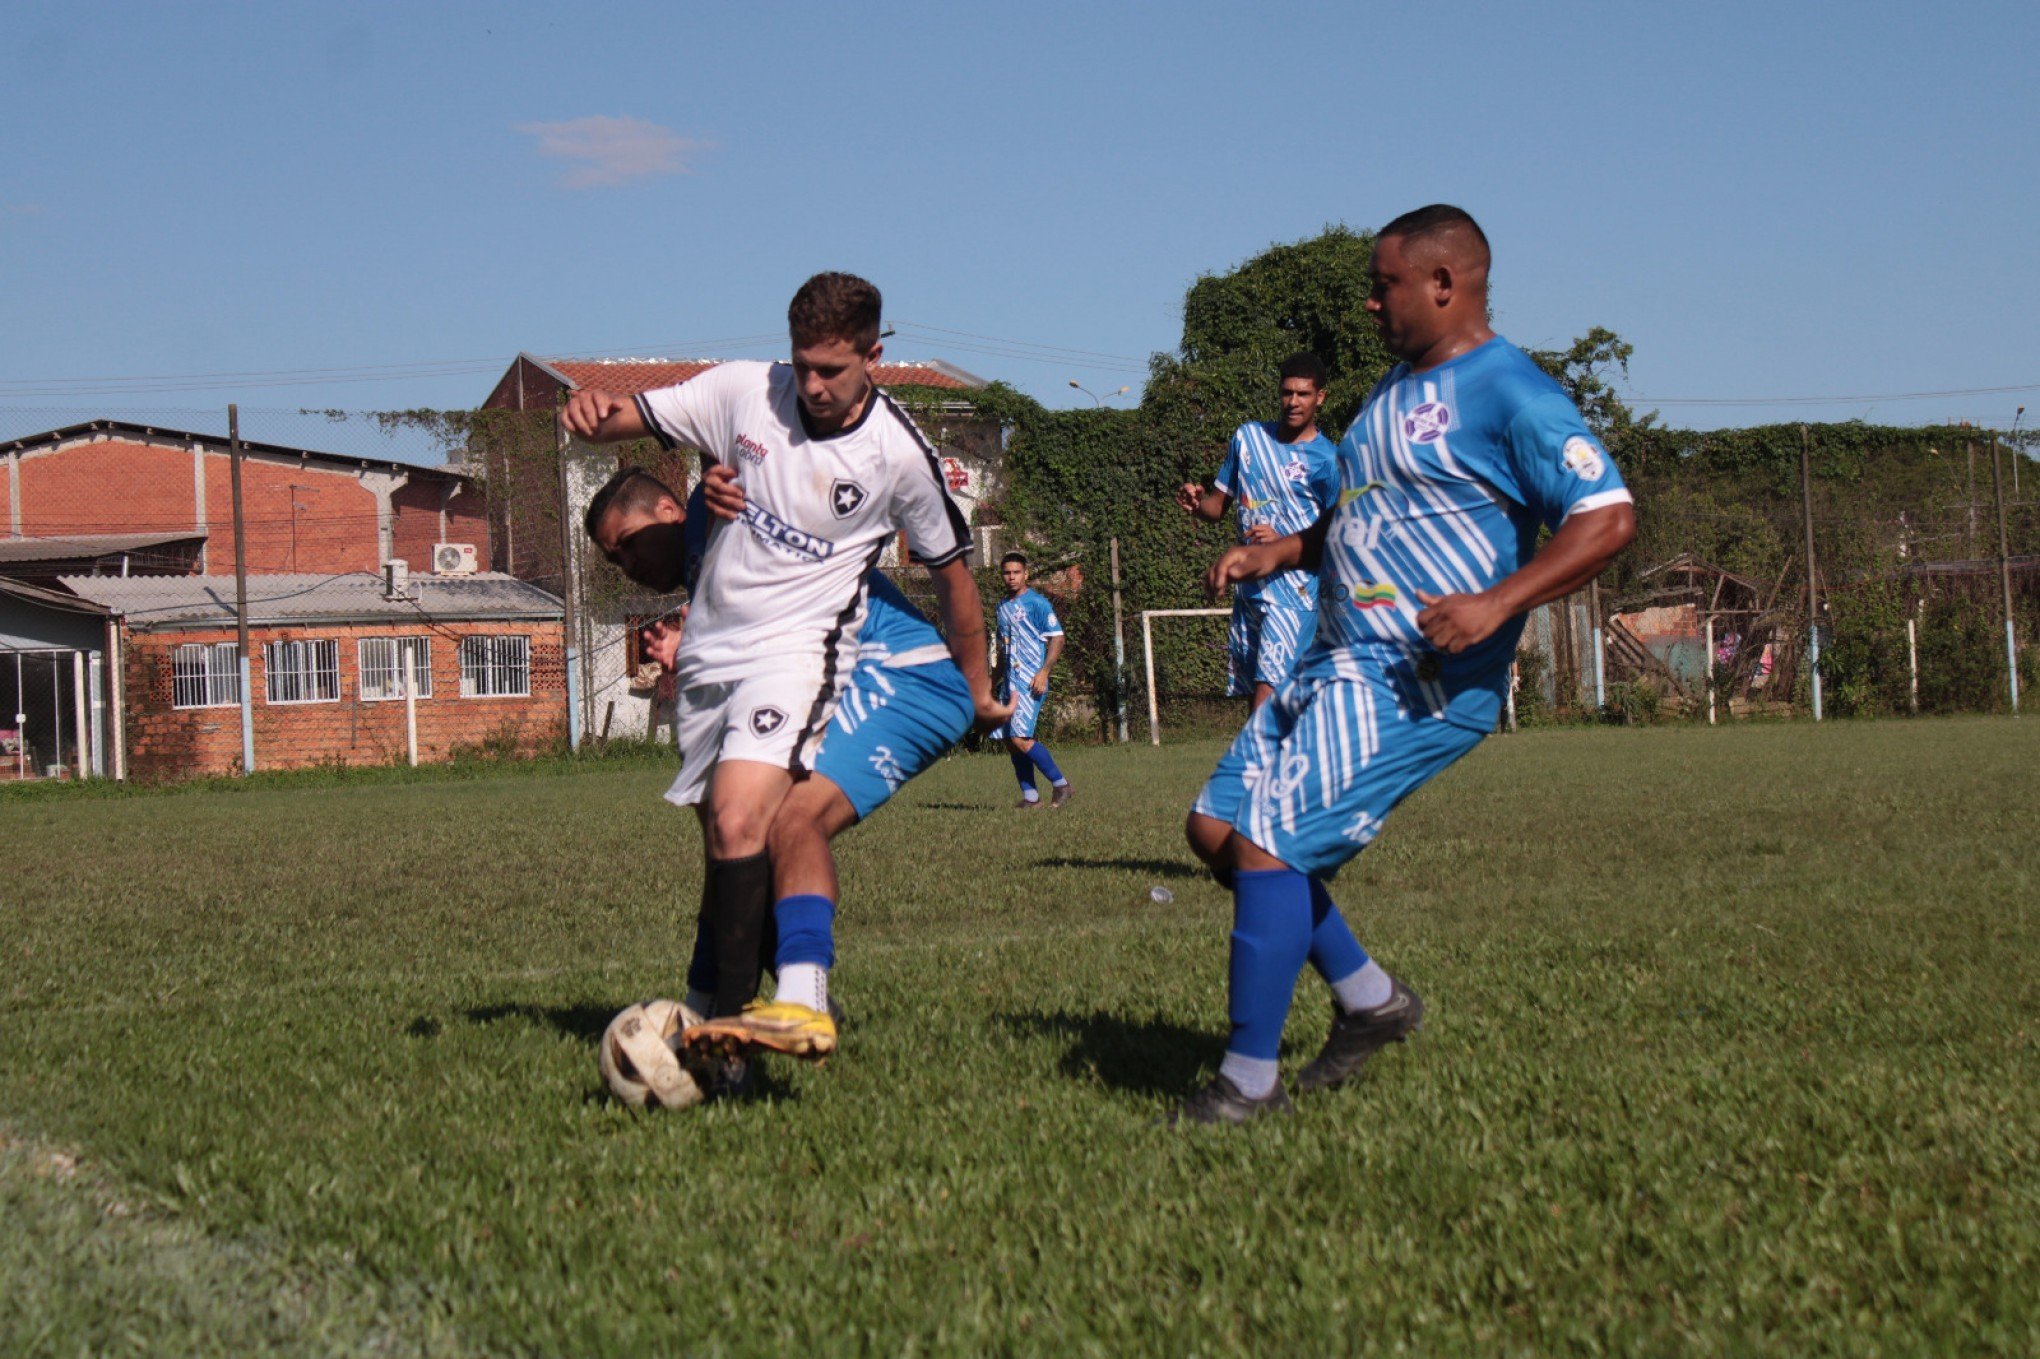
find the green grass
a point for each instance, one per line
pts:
(1731, 1050)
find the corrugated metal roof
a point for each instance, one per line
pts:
(184, 601)
(93, 545)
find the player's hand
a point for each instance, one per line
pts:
(1235, 563)
(1452, 623)
(661, 641)
(1190, 496)
(1039, 684)
(1262, 533)
(991, 712)
(586, 410)
(720, 489)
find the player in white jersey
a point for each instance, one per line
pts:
(1428, 559)
(1283, 474)
(824, 469)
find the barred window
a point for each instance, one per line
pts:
(495, 667)
(382, 672)
(205, 676)
(302, 672)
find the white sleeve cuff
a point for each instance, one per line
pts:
(1599, 500)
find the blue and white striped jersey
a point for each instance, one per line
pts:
(1445, 479)
(896, 633)
(1285, 486)
(1026, 622)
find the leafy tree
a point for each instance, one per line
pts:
(1583, 371)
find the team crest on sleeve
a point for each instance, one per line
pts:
(765, 721)
(846, 498)
(1427, 422)
(1584, 459)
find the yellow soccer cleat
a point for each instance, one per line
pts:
(766, 1026)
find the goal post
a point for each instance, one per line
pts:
(1147, 650)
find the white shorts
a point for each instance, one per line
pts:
(776, 719)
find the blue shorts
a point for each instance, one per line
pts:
(1026, 709)
(1262, 644)
(889, 726)
(1320, 765)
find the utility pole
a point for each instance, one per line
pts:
(1997, 482)
(1812, 589)
(241, 592)
(1118, 646)
(1969, 452)
(569, 588)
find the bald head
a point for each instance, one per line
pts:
(1444, 235)
(1429, 284)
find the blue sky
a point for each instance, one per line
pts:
(1770, 201)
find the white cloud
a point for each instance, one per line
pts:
(606, 152)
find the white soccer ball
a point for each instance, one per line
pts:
(639, 1057)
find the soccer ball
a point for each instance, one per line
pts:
(638, 1059)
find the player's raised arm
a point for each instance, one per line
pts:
(1210, 506)
(1581, 549)
(1256, 561)
(963, 628)
(602, 417)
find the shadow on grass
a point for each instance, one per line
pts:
(958, 806)
(1140, 1056)
(1159, 868)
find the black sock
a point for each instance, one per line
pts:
(740, 905)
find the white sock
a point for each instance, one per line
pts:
(1255, 1076)
(699, 1001)
(1030, 795)
(1365, 989)
(1062, 783)
(804, 984)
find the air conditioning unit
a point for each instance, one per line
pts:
(454, 559)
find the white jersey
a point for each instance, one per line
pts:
(784, 586)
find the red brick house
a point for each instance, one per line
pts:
(328, 669)
(303, 510)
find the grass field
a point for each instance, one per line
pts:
(1732, 1049)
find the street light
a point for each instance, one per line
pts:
(1122, 392)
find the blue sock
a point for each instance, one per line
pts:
(1334, 952)
(806, 931)
(1023, 767)
(1270, 941)
(1045, 762)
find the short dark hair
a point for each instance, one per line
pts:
(835, 307)
(1305, 365)
(632, 488)
(1441, 225)
(1012, 557)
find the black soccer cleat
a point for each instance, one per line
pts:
(1222, 1102)
(1358, 1035)
(1059, 795)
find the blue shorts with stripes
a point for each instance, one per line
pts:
(1262, 643)
(891, 724)
(1026, 709)
(1318, 768)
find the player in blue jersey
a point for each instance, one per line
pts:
(905, 705)
(1283, 474)
(1428, 561)
(1030, 640)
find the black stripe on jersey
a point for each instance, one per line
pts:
(644, 410)
(831, 644)
(956, 521)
